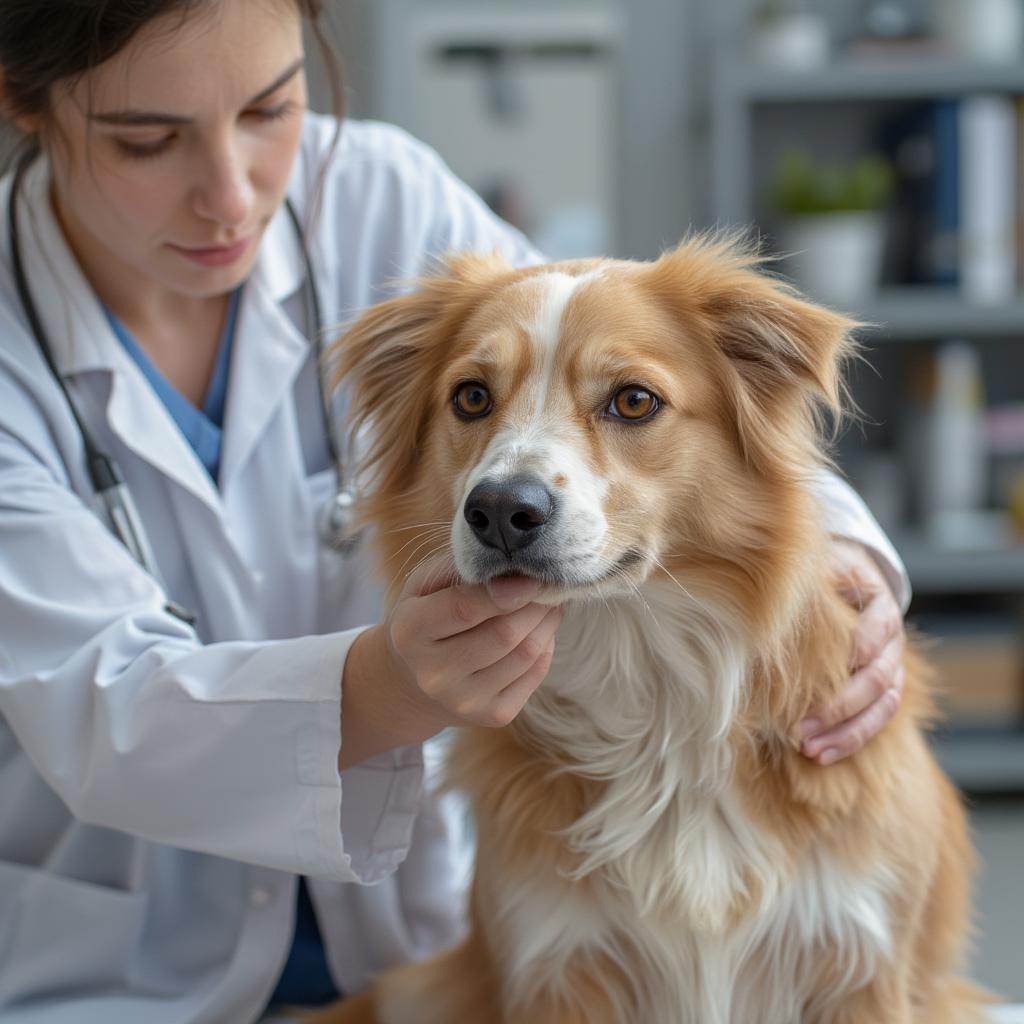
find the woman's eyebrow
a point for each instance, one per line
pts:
(146, 117)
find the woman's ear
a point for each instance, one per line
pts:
(27, 124)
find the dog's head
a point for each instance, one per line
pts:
(590, 423)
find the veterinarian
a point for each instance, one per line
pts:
(211, 770)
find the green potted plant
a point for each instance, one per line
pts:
(833, 223)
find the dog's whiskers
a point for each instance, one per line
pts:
(423, 542)
(425, 537)
(444, 568)
(643, 600)
(420, 526)
(661, 566)
(432, 579)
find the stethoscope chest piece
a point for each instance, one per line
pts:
(337, 523)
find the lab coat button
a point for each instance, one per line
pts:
(260, 897)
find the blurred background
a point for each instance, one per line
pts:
(879, 148)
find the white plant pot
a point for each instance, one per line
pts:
(835, 257)
(794, 42)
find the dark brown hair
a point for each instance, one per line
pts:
(43, 42)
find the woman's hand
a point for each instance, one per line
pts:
(448, 654)
(471, 654)
(873, 693)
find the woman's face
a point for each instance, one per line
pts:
(170, 159)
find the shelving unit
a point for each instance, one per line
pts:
(983, 761)
(949, 571)
(741, 89)
(757, 111)
(915, 312)
(859, 80)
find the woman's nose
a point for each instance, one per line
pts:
(223, 191)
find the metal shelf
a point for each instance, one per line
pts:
(983, 761)
(935, 570)
(859, 80)
(905, 314)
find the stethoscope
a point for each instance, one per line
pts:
(336, 523)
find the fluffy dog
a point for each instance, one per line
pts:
(653, 849)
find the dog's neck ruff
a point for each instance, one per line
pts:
(703, 910)
(643, 695)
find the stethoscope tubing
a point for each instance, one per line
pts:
(104, 473)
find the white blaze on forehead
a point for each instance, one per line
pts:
(556, 289)
(531, 441)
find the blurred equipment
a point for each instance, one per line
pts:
(980, 666)
(981, 29)
(520, 99)
(892, 19)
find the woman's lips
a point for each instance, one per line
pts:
(214, 255)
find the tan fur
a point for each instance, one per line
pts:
(719, 482)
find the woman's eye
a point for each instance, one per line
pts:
(282, 110)
(142, 150)
(472, 400)
(634, 403)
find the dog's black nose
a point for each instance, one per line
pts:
(509, 515)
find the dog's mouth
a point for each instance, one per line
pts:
(567, 578)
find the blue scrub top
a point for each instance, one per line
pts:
(202, 428)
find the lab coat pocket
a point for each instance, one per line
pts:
(61, 935)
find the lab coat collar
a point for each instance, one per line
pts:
(268, 355)
(78, 335)
(280, 267)
(269, 350)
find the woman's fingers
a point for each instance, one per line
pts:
(868, 702)
(854, 733)
(511, 700)
(873, 693)
(442, 607)
(878, 624)
(506, 670)
(461, 646)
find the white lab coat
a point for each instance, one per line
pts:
(159, 788)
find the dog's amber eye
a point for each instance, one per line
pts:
(472, 400)
(634, 403)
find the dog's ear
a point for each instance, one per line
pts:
(781, 357)
(390, 356)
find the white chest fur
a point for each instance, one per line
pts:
(644, 695)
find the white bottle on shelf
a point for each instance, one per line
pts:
(984, 30)
(988, 198)
(954, 450)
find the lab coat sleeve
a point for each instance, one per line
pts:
(847, 516)
(230, 749)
